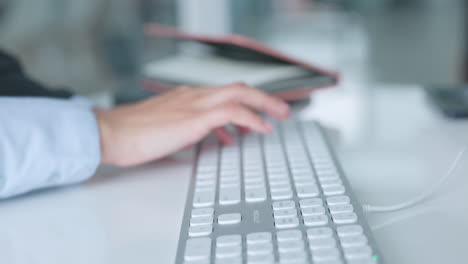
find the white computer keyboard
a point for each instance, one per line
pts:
(276, 198)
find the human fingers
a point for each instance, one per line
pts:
(236, 114)
(223, 135)
(243, 130)
(251, 97)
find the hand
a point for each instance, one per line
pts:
(136, 133)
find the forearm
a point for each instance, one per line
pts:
(44, 143)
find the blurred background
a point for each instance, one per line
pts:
(96, 47)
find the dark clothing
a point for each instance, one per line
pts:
(14, 82)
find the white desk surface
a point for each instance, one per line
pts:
(391, 144)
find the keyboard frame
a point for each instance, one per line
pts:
(244, 229)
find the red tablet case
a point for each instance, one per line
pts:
(163, 31)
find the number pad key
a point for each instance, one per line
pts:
(290, 246)
(287, 222)
(341, 208)
(319, 232)
(349, 230)
(259, 238)
(333, 190)
(284, 213)
(342, 199)
(320, 210)
(289, 235)
(320, 243)
(289, 204)
(344, 218)
(353, 241)
(260, 249)
(313, 202)
(315, 220)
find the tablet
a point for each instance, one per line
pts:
(229, 59)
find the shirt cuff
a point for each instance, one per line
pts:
(47, 142)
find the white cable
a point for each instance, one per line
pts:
(423, 195)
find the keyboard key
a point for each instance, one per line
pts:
(314, 202)
(203, 199)
(278, 177)
(229, 185)
(281, 187)
(289, 235)
(281, 195)
(341, 208)
(229, 251)
(327, 182)
(284, 213)
(255, 195)
(254, 186)
(315, 220)
(349, 230)
(205, 182)
(211, 189)
(276, 182)
(353, 241)
(251, 180)
(326, 254)
(203, 230)
(258, 238)
(302, 171)
(290, 246)
(344, 218)
(259, 249)
(197, 249)
(320, 243)
(203, 220)
(235, 260)
(319, 210)
(333, 190)
(293, 257)
(319, 232)
(289, 204)
(229, 240)
(286, 222)
(199, 212)
(230, 195)
(261, 259)
(229, 219)
(307, 191)
(342, 199)
(357, 252)
(298, 182)
(324, 171)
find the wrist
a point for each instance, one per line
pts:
(105, 135)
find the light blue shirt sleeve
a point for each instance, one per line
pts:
(46, 142)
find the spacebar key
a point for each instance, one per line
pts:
(203, 199)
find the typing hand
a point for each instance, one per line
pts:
(136, 133)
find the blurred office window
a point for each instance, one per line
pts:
(410, 41)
